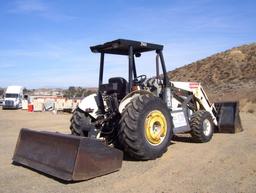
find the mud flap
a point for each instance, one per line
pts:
(67, 157)
(228, 117)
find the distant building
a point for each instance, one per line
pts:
(47, 92)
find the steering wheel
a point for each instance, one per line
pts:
(139, 79)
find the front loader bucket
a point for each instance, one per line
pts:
(67, 157)
(228, 117)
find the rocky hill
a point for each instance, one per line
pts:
(229, 75)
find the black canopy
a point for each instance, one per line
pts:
(121, 46)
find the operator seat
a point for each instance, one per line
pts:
(121, 85)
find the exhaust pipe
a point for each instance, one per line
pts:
(67, 157)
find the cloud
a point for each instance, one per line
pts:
(41, 50)
(6, 66)
(28, 6)
(39, 8)
(58, 63)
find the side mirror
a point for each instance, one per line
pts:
(138, 55)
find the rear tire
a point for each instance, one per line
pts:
(80, 123)
(145, 128)
(201, 124)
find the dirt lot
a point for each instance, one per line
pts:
(226, 164)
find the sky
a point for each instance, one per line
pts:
(46, 43)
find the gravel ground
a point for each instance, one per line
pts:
(226, 164)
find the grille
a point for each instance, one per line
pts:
(9, 103)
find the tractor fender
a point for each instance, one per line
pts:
(89, 105)
(130, 96)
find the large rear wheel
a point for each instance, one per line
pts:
(145, 128)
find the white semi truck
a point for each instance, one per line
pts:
(13, 97)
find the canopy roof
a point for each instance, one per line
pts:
(121, 46)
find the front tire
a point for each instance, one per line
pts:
(80, 123)
(201, 124)
(145, 128)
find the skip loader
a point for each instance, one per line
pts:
(137, 116)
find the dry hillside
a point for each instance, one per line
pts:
(229, 75)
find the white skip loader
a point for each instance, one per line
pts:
(134, 115)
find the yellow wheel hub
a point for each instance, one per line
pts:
(155, 127)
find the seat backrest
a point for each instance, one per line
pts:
(121, 85)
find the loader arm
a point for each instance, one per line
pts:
(200, 95)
